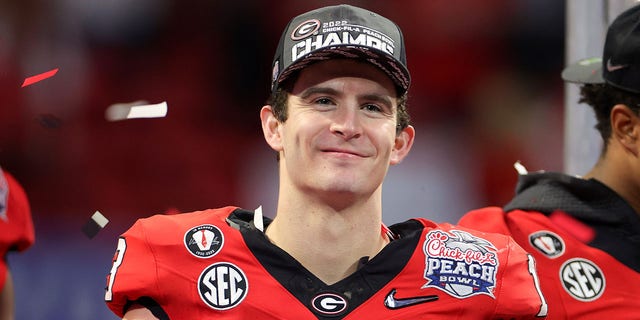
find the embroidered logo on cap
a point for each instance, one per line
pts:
(548, 243)
(204, 241)
(305, 29)
(336, 34)
(460, 264)
(611, 67)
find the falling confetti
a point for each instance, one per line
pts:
(171, 211)
(94, 225)
(134, 110)
(33, 79)
(257, 219)
(520, 168)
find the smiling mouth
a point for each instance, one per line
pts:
(344, 152)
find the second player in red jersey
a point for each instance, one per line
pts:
(585, 231)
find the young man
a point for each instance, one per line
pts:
(585, 231)
(16, 234)
(337, 119)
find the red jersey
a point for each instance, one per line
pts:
(215, 264)
(585, 239)
(16, 226)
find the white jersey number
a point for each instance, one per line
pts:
(543, 303)
(122, 246)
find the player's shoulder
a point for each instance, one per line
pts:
(485, 213)
(487, 219)
(496, 219)
(465, 233)
(165, 223)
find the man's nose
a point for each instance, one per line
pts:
(347, 123)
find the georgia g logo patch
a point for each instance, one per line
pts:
(460, 264)
(204, 241)
(329, 304)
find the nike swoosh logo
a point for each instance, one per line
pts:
(392, 302)
(612, 67)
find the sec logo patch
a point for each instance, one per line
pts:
(582, 279)
(222, 285)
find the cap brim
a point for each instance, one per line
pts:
(584, 71)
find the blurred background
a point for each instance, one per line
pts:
(486, 92)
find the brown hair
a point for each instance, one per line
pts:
(602, 98)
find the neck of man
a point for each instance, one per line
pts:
(328, 240)
(616, 171)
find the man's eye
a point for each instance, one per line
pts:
(372, 108)
(323, 101)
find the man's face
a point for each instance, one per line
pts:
(340, 133)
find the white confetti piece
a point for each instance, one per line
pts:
(135, 110)
(94, 225)
(100, 219)
(257, 219)
(520, 168)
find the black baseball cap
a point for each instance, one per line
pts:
(620, 62)
(341, 31)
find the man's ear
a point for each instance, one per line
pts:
(271, 128)
(625, 128)
(403, 143)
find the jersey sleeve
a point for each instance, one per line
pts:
(519, 292)
(489, 219)
(133, 273)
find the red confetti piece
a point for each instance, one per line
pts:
(576, 228)
(33, 79)
(171, 211)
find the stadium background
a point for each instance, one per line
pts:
(486, 93)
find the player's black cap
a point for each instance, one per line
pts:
(620, 62)
(341, 31)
